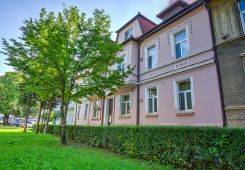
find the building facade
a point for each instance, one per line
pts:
(175, 80)
(228, 20)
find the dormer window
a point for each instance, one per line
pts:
(242, 10)
(128, 33)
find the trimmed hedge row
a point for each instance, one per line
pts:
(189, 147)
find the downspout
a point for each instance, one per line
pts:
(216, 63)
(138, 88)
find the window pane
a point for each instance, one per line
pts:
(181, 101)
(180, 36)
(152, 50)
(155, 104)
(152, 92)
(189, 102)
(244, 17)
(184, 48)
(149, 62)
(178, 51)
(242, 5)
(183, 86)
(150, 105)
(123, 108)
(128, 108)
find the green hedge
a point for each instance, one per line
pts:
(189, 147)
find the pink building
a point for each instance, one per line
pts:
(175, 80)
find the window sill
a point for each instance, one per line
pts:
(187, 113)
(125, 116)
(95, 118)
(148, 115)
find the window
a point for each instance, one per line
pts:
(180, 43)
(151, 57)
(125, 105)
(242, 8)
(128, 33)
(152, 100)
(184, 95)
(78, 111)
(121, 67)
(86, 111)
(96, 109)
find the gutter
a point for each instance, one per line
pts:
(138, 88)
(216, 63)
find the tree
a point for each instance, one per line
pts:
(9, 94)
(58, 50)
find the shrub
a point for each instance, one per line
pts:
(189, 147)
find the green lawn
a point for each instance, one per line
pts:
(31, 151)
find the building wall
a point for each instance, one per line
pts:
(230, 42)
(206, 108)
(136, 33)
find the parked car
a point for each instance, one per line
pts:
(30, 123)
(17, 122)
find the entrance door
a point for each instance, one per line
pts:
(110, 111)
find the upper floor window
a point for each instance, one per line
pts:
(151, 57)
(125, 104)
(152, 100)
(242, 8)
(184, 95)
(96, 109)
(128, 33)
(86, 110)
(180, 43)
(122, 66)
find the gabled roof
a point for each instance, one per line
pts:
(177, 3)
(173, 18)
(145, 23)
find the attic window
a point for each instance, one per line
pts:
(128, 33)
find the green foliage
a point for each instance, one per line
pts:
(9, 93)
(189, 147)
(43, 152)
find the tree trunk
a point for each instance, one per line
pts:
(75, 118)
(102, 110)
(5, 120)
(48, 117)
(26, 118)
(62, 119)
(38, 118)
(44, 113)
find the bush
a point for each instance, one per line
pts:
(189, 147)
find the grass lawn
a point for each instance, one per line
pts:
(31, 151)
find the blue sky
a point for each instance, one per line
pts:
(14, 12)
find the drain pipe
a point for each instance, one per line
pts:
(216, 63)
(138, 88)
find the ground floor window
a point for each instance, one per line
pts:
(152, 100)
(184, 93)
(125, 104)
(86, 111)
(96, 109)
(78, 111)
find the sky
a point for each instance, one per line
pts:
(14, 12)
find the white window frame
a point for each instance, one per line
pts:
(131, 31)
(173, 42)
(241, 15)
(86, 110)
(96, 112)
(147, 100)
(126, 102)
(176, 93)
(155, 58)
